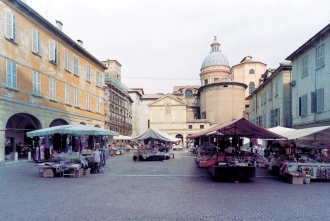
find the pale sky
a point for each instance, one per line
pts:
(162, 43)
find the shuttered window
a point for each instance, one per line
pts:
(10, 26)
(319, 100)
(52, 89)
(98, 105)
(97, 78)
(67, 60)
(36, 83)
(320, 57)
(11, 74)
(101, 79)
(35, 41)
(313, 102)
(272, 118)
(277, 117)
(67, 94)
(88, 73)
(76, 97)
(303, 105)
(270, 94)
(88, 101)
(52, 51)
(276, 87)
(75, 65)
(304, 64)
(264, 120)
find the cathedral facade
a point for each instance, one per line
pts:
(219, 98)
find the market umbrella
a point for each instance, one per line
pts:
(75, 129)
(46, 131)
(156, 134)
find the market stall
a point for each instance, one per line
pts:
(70, 150)
(156, 145)
(220, 148)
(303, 156)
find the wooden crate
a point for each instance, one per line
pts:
(48, 173)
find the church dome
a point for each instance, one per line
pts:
(215, 57)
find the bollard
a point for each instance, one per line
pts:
(16, 157)
(29, 156)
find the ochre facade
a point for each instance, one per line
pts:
(46, 78)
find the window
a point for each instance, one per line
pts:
(67, 61)
(52, 51)
(76, 97)
(98, 105)
(101, 79)
(35, 41)
(320, 56)
(97, 78)
(264, 121)
(257, 100)
(11, 74)
(201, 126)
(276, 87)
(188, 94)
(260, 121)
(251, 87)
(251, 71)
(303, 105)
(36, 83)
(215, 79)
(67, 94)
(317, 99)
(277, 117)
(167, 109)
(206, 81)
(52, 89)
(272, 118)
(10, 26)
(75, 65)
(195, 115)
(189, 126)
(88, 101)
(204, 115)
(304, 65)
(88, 73)
(270, 94)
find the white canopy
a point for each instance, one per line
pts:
(122, 137)
(312, 133)
(155, 134)
(75, 129)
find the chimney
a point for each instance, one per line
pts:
(59, 25)
(80, 42)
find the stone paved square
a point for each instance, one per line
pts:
(175, 189)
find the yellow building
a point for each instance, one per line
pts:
(46, 78)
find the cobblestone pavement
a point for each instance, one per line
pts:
(175, 189)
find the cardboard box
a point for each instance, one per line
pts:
(295, 179)
(86, 172)
(76, 173)
(48, 173)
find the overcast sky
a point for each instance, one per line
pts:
(162, 43)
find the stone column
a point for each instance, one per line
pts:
(2, 145)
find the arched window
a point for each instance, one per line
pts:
(188, 94)
(251, 71)
(251, 87)
(167, 109)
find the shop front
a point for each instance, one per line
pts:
(221, 149)
(70, 150)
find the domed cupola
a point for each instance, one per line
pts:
(215, 57)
